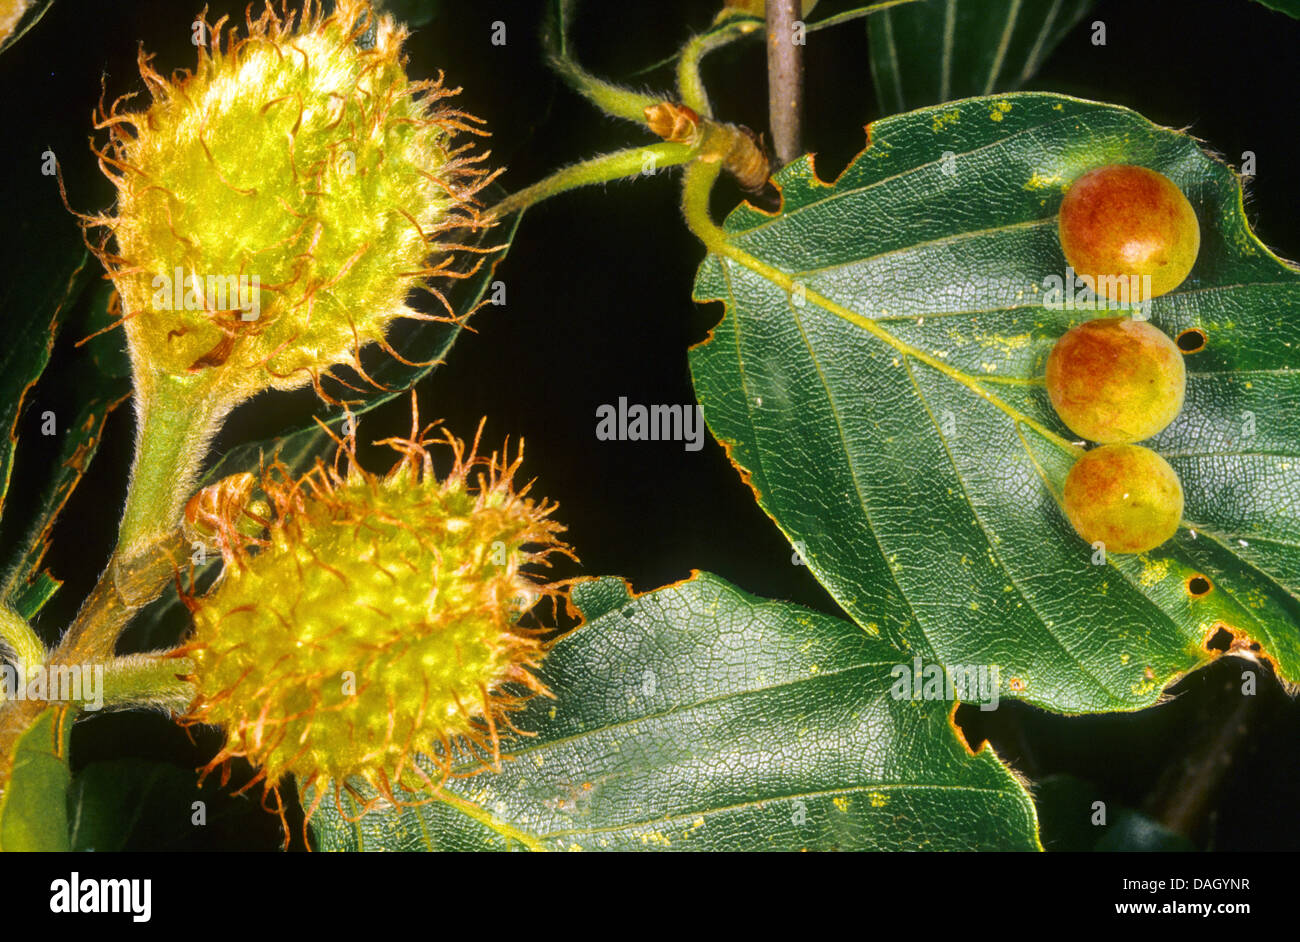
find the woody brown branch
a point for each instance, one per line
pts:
(784, 79)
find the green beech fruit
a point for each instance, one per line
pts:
(376, 619)
(276, 208)
(301, 158)
(1124, 496)
(1116, 379)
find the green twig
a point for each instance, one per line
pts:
(619, 165)
(689, 84)
(150, 681)
(18, 637)
(612, 99)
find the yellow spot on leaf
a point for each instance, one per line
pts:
(1153, 572)
(1041, 182)
(1142, 689)
(1004, 344)
(942, 121)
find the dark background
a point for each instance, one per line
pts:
(599, 307)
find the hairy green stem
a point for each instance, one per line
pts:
(17, 635)
(151, 681)
(126, 586)
(610, 98)
(635, 161)
(690, 86)
(176, 418)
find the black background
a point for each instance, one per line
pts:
(598, 285)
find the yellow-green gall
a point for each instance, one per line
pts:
(1125, 497)
(377, 618)
(1115, 379)
(277, 205)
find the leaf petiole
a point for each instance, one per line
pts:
(619, 165)
(689, 83)
(610, 98)
(148, 680)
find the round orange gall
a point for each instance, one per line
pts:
(1121, 224)
(1116, 379)
(1125, 497)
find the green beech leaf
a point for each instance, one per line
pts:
(32, 598)
(102, 387)
(940, 50)
(36, 295)
(700, 717)
(905, 442)
(33, 810)
(1289, 7)
(139, 804)
(80, 441)
(103, 338)
(34, 300)
(111, 804)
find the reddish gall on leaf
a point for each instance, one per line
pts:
(1125, 497)
(1121, 225)
(1116, 379)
